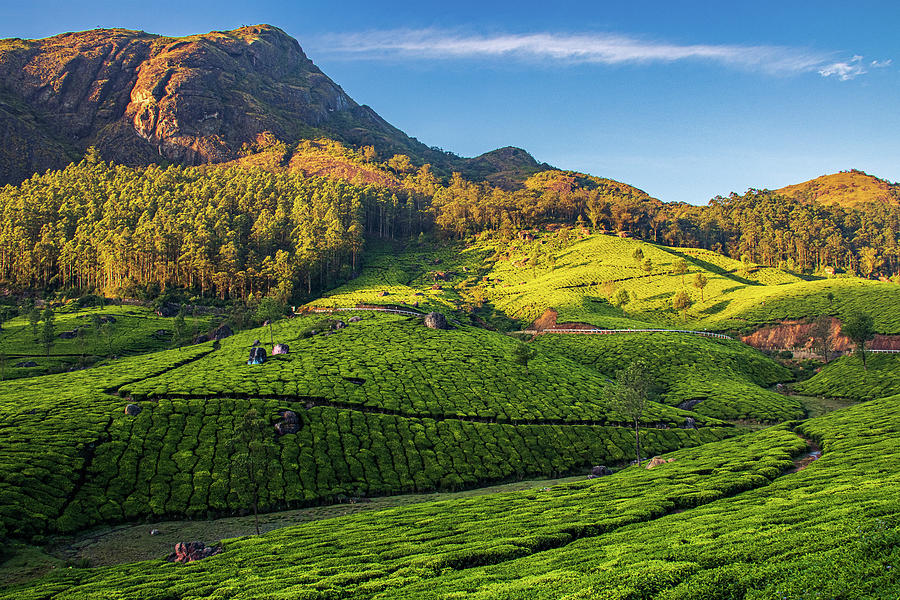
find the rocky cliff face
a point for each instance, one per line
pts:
(140, 98)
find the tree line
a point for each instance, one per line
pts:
(235, 232)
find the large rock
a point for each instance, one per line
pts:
(355, 319)
(257, 356)
(186, 552)
(222, 332)
(599, 471)
(133, 410)
(689, 423)
(658, 460)
(280, 349)
(168, 310)
(290, 423)
(436, 320)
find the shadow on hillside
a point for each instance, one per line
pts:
(710, 267)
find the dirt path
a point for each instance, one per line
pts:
(130, 543)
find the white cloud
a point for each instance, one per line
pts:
(880, 64)
(844, 71)
(605, 48)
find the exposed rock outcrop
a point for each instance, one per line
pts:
(436, 320)
(186, 552)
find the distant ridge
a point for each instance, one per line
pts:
(847, 188)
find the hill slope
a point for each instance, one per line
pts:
(141, 98)
(847, 188)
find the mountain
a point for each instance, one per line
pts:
(848, 189)
(143, 98)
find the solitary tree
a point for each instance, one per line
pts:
(628, 395)
(48, 331)
(859, 327)
(253, 453)
(622, 298)
(648, 266)
(179, 327)
(269, 310)
(681, 302)
(700, 282)
(522, 355)
(638, 255)
(34, 317)
(681, 267)
(822, 335)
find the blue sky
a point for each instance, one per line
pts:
(685, 100)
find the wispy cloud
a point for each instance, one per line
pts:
(845, 70)
(604, 48)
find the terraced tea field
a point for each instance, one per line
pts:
(432, 410)
(846, 378)
(724, 520)
(724, 378)
(122, 330)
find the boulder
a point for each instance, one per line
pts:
(689, 423)
(257, 356)
(186, 552)
(355, 319)
(436, 320)
(600, 471)
(658, 460)
(256, 343)
(280, 349)
(339, 325)
(290, 423)
(133, 410)
(222, 332)
(168, 310)
(27, 363)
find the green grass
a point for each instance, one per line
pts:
(728, 378)
(846, 378)
(724, 520)
(136, 330)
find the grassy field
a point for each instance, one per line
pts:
(128, 330)
(724, 520)
(846, 378)
(581, 276)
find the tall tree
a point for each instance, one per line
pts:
(681, 267)
(681, 302)
(253, 454)
(860, 328)
(700, 281)
(628, 395)
(48, 331)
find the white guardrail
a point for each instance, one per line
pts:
(884, 351)
(395, 311)
(721, 336)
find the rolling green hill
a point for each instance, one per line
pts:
(725, 520)
(580, 275)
